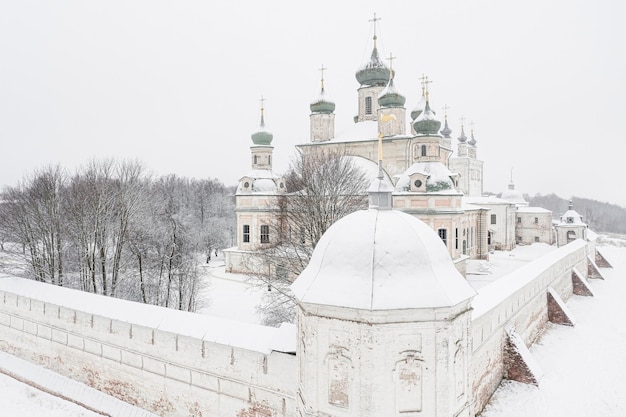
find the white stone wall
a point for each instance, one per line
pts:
(163, 372)
(518, 300)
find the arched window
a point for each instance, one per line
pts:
(423, 150)
(368, 105)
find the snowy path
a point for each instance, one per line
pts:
(20, 399)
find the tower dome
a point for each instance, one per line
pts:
(472, 140)
(427, 123)
(462, 138)
(421, 105)
(374, 72)
(322, 103)
(381, 260)
(446, 131)
(390, 97)
(262, 137)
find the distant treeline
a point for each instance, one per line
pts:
(599, 216)
(112, 228)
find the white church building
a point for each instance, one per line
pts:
(434, 180)
(386, 323)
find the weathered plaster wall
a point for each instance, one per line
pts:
(164, 372)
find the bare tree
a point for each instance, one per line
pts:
(32, 216)
(322, 187)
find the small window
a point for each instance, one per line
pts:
(256, 159)
(246, 233)
(269, 159)
(493, 219)
(456, 238)
(246, 184)
(536, 238)
(570, 220)
(418, 183)
(423, 150)
(265, 234)
(302, 236)
(443, 234)
(536, 220)
(519, 219)
(368, 105)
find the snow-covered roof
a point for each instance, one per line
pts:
(361, 131)
(212, 329)
(381, 260)
(528, 209)
(514, 196)
(368, 167)
(262, 181)
(486, 200)
(572, 217)
(439, 177)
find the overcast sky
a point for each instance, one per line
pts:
(176, 84)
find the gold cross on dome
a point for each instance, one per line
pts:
(374, 20)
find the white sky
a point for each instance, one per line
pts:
(177, 84)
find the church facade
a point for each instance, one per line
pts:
(433, 181)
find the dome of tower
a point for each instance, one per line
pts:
(421, 105)
(262, 136)
(427, 123)
(374, 72)
(462, 138)
(514, 196)
(446, 131)
(571, 216)
(381, 260)
(472, 141)
(322, 104)
(390, 97)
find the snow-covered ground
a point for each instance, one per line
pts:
(582, 365)
(18, 399)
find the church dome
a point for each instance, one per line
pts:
(262, 137)
(462, 138)
(390, 97)
(374, 72)
(472, 141)
(514, 196)
(322, 104)
(446, 131)
(421, 105)
(427, 123)
(381, 260)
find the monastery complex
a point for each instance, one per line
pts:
(386, 322)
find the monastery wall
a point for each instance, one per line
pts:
(518, 301)
(154, 367)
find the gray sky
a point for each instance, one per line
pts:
(176, 84)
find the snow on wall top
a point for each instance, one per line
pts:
(212, 329)
(494, 293)
(381, 260)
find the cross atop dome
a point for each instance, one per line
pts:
(374, 20)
